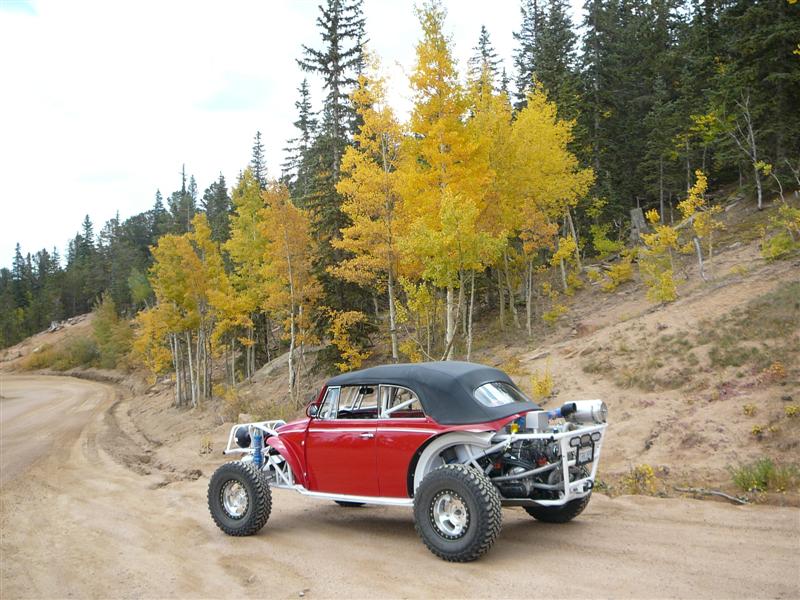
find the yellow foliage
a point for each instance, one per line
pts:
(552, 315)
(620, 272)
(655, 260)
(640, 480)
(792, 410)
(542, 383)
(341, 330)
(787, 239)
(369, 187)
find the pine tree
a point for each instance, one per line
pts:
(258, 163)
(182, 206)
(338, 62)
(484, 58)
(555, 59)
(295, 169)
(217, 205)
(528, 43)
(159, 219)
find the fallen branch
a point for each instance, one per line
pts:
(705, 492)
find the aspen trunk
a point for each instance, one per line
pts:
(529, 298)
(192, 383)
(575, 237)
(502, 302)
(459, 311)
(450, 323)
(512, 305)
(661, 188)
(697, 247)
(392, 319)
(469, 316)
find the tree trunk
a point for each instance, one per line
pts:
(512, 306)
(502, 301)
(450, 324)
(392, 319)
(688, 168)
(575, 237)
(699, 250)
(192, 379)
(529, 298)
(661, 188)
(469, 317)
(461, 300)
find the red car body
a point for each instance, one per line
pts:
(361, 457)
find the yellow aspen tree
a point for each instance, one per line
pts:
(371, 200)
(439, 162)
(209, 282)
(541, 181)
(246, 250)
(696, 212)
(655, 260)
(489, 126)
(173, 261)
(289, 288)
(185, 270)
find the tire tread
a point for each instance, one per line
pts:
(490, 517)
(262, 501)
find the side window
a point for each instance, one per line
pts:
(330, 404)
(400, 403)
(358, 402)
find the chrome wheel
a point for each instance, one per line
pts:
(234, 499)
(449, 515)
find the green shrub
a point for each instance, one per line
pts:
(764, 475)
(113, 335)
(69, 354)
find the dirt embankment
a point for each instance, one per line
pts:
(91, 505)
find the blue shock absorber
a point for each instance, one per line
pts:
(258, 445)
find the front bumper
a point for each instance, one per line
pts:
(568, 489)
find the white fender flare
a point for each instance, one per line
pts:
(472, 442)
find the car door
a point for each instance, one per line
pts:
(340, 442)
(402, 429)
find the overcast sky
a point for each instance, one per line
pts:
(102, 102)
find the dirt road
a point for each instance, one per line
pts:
(90, 508)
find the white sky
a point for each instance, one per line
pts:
(102, 102)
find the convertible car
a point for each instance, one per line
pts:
(455, 441)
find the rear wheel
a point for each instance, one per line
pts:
(239, 498)
(559, 514)
(457, 513)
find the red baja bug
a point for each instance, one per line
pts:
(455, 441)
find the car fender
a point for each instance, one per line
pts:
(289, 455)
(427, 460)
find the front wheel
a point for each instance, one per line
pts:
(457, 513)
(559, 514)
(239, 498)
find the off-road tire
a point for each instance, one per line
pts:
(482, 503)
(349, 504)
(559, 514)
(258, 495)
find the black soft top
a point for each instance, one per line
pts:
(445, 389)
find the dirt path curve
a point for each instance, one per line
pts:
(87, 511)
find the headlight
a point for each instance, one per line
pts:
(589, 411)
